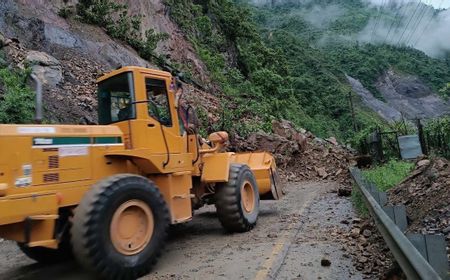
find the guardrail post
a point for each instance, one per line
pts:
(414, 264)
(432, 248)
(397, 214)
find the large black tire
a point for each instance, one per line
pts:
(92, 234)
(231, 210)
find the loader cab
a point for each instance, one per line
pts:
(141, 102)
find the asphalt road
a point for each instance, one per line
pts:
(289, 242)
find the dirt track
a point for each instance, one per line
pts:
(289, 242)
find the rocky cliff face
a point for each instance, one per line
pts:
(409, 95)
(69, 55)
(403, 95)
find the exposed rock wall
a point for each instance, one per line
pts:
(78, 53)
(404, 95)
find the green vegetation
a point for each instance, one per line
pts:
(16, 98)
(266, 75)
(385, 177)
(119, 24)
(278, 62)
(272, 62)
(359, 203)
(437, 135)
(388, 175)
(367, 62)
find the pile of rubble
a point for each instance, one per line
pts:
(68, 81)
(300, 155)
(426, 195)
(366, 247)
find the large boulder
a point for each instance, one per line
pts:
(287, 130)
(47, 68)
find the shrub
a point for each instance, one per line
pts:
(16, 98)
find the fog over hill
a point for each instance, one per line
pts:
(423, 25)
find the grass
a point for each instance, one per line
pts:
(359, 203)
(388, 175)
(385, 177)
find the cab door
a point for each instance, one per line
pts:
(162, 116)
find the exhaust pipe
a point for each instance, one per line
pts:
(38, 100)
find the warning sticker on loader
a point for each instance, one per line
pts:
(73, 151)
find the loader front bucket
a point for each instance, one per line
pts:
(265, 170)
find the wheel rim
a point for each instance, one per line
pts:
(131, 227)
(248, 197)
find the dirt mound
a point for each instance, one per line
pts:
(300, 155)
(426, 194)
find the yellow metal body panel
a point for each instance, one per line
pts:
(176, 189)
(29, 206)
(216, 167)
(261, 164)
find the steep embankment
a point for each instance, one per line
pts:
(75, 54)
(403, 96)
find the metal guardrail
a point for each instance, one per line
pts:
(412, 262)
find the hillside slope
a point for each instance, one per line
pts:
(247, 65)
(84, 52)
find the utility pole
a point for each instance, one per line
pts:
(422, 140)
(353, 111)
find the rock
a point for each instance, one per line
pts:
(354, 233)
(333, 141)
(272, 235)
(2, 40)
(446, 230)
(283, 128)
(47, 68)
(321, 172)
(325, 262)
(344, 191)
(424, 162)
(367, 233)
(286, 129)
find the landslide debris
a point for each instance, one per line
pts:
(300, 154)
(426, 195)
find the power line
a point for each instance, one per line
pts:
(409, 22)
(428, 24)
(417, 24)
(378, 19)
(394, 21)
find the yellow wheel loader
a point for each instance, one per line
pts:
(107, 193)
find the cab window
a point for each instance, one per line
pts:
(158, 101)
(115, 99)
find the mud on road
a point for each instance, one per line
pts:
(291, 241)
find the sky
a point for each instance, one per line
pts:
(443, 4)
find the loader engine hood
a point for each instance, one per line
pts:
(37, 155)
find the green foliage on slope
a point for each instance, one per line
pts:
(265, 75)
(118, 24)
(333, 28)
(16, 98)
